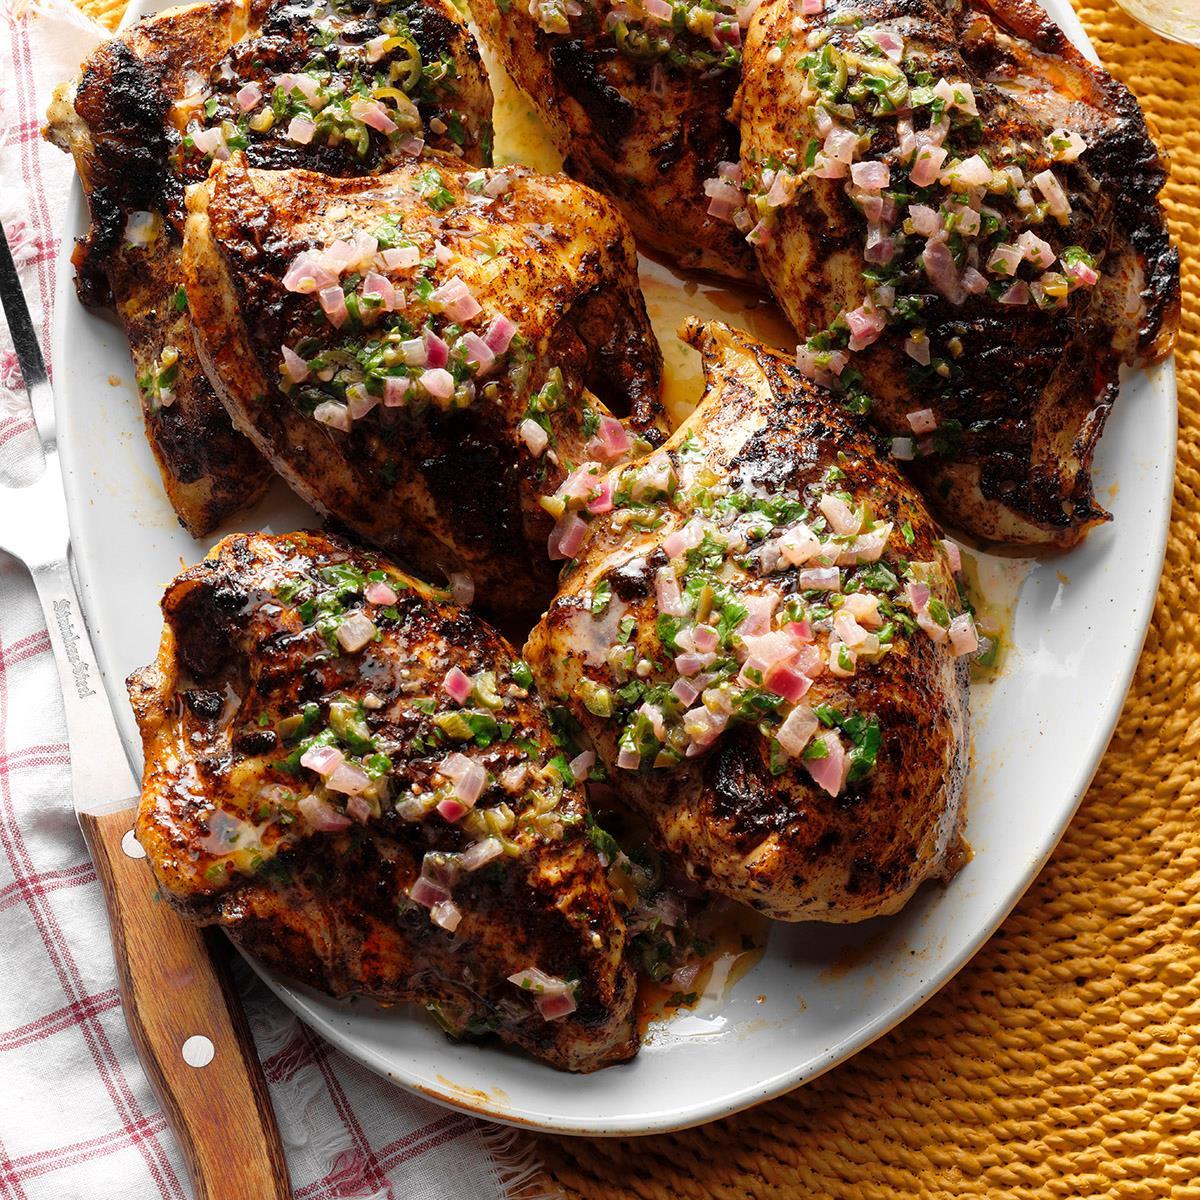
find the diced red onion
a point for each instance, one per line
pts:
(786, 681)
(810, 8)
(1083, 274)
(447, 914)
(1053, 194)
(455, 299)
(211, 141)
(823, 579)
(566, 538)
(300, 130)
(829, 773)
(378, 592)
(953, 554)
(601, 499)
(890, 43)
(294, 367)
(333, 414)
(705, 638)
(451, 809)
(918, 595)
(922, 420)
(971, 172)
(903, 448)
(438, 382)
(670, 599)
(534, 436)
(797, 729)
(427, 893)
(373, 114)
(964, 638)
(973, 283)
(629, 759)
(939, 267)
(321, 816)
(871, 175)
(322, 759)
(395, 390)
(333, 304)
(918, 350)
(866, 324)
(348, 779)
(381, 286)
(499, 334)
(1036, 250)
(467, 775)
(867, 547)
(479, 354)
(358, 809)
(927, 165)
(248, 96)
(355, 631)
(457, 685)
(396, 258)
(841, 517)
(1017, 294)
(799, 544)
(437, 352)
(479, 854)
(581, 764)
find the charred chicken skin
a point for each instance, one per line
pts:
(348, 89)
(761, 634)
(959, 213)
(419, 354)
(351, 776)
(637, 105)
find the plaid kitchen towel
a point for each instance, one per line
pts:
(77, 1117)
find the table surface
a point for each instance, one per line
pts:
(1065, 1060)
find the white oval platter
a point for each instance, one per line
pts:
(819, 994)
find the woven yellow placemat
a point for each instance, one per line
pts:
(1064, 1062)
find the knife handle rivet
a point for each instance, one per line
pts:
(198, 1051)
(132, 847)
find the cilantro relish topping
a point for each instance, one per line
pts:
(701, 34)
(349, 88)
(451, 747)
(411, 334)
(757, 595)
(943, 216)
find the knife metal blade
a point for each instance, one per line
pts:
(34, 528)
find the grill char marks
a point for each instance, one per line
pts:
(1025, 392)
(455, 491)
(331, 909)
(647, 134)
(767, 837)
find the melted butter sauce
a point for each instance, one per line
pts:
(739, 936)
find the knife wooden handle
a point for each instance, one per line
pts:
(188, 1026)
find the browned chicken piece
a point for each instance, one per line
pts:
(153, 108)
(639, 109)
(416, 353)
(959, 213)
(352, 778)
(761, 635)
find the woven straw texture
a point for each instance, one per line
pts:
(1064, 1062)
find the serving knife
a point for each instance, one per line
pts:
(180, 1006)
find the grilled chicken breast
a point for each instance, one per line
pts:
(416, 354)
(958, 212)
(759, 633)
(351, 777)
(346, 90)
(638, 108)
